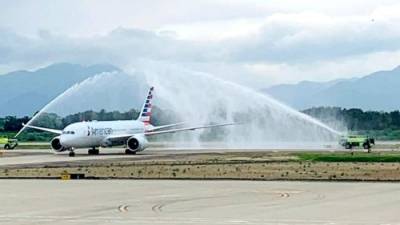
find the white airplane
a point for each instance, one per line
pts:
(132, 133)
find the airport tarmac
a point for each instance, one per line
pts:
(197, 202)
(44, 156)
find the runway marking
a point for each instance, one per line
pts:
(123, 208)
(157, 207)
(285, 195)
(175, 220)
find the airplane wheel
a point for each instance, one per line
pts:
(71, 154)
(93, 151)
(129, 152)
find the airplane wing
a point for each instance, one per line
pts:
(154, 128)
(54, 131)
(150, 133)
(187, 128)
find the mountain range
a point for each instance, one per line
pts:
(376, 91)
(25, 92)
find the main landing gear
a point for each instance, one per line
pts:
(93, 151)
(129, 152)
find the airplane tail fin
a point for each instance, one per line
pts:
(145, 113)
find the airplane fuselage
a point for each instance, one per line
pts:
(95, 133)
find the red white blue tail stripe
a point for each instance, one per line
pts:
(145, 114)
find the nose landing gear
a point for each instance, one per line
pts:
(71, 153)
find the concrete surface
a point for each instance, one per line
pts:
(35, 156)
(197, 202)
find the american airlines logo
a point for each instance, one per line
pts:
(99, 131)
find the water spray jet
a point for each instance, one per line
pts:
(197, 98)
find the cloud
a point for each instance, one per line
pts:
(282, 38)
(308, 37)
(262, 50)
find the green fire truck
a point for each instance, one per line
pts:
(8, 143)
(351, 141)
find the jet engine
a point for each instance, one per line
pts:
(56, 145)
(136, 143)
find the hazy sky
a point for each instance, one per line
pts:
(253, 42)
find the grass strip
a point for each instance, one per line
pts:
(348, 157)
